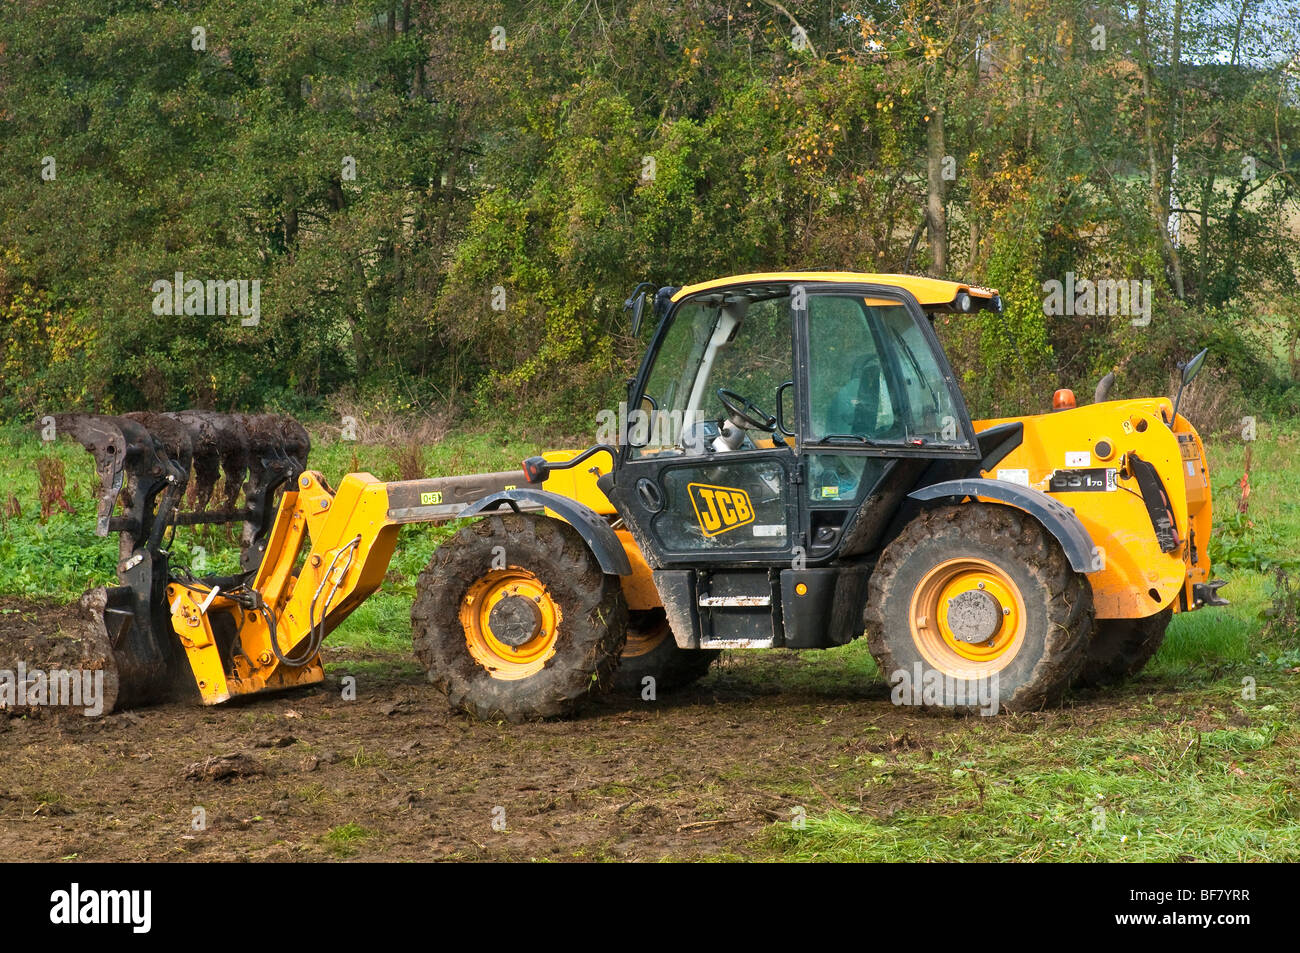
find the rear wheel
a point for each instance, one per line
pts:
(652, 652)
(977, 603)
(1120, 648)
(514, 618)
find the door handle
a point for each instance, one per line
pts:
(650, 496)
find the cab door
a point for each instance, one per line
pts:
(693, 489)
(879, 404)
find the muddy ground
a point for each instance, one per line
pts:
(395, 776)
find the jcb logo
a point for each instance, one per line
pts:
(720, 508)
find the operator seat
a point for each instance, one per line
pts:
(855, 408)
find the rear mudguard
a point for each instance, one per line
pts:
(595, 530)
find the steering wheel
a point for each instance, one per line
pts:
(745, 411)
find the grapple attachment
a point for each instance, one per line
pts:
(146, 462)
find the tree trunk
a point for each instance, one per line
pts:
(936, 149)
(1236, 36)
(1159, 170)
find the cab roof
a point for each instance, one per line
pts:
(930, 293)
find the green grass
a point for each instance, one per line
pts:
(380, 624)
(61, 558)
(344, 840)
(457, 453)
(1213, 779)
(1138, 792)
(1267, 534)
(1195, 640)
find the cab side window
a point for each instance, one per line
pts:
(930, 411)
(848, 391)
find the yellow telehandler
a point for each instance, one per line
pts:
(794, 466)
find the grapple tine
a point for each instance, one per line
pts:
(174, 438)
(206, 456)
(103, 437)
(270, 465)
(297, 443)
(230, 434)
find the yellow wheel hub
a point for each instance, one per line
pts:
(511, 623)
(968, 618)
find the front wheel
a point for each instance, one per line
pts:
(976, 608)
(514, 618)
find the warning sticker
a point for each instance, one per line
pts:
(1014, 476)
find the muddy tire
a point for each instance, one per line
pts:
(974, 590)
(1120, 648)
(651, 651)
(513, 618)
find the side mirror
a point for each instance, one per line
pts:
(636, 315)
(636, 304)
(1190, 370)
(1193, 366)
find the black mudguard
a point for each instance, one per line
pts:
(1061, 521)
(596, 531)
